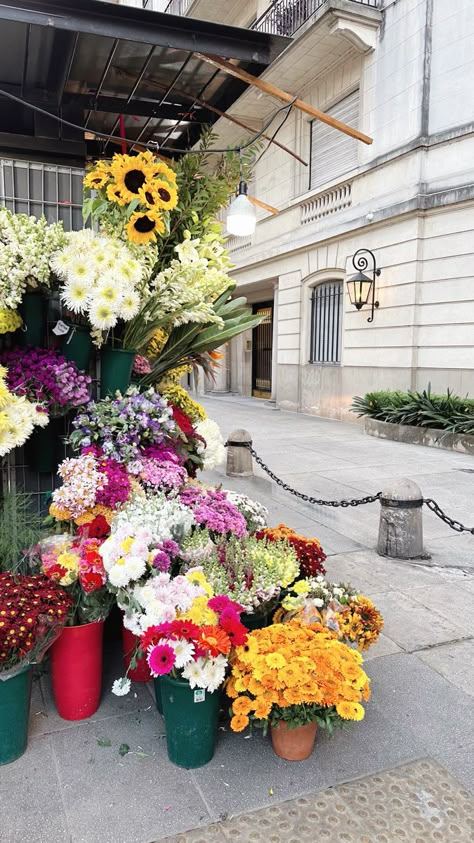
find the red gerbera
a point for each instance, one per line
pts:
(235, 630)
(91, 581)
(154, 634)
(98, 528)
(185, 629)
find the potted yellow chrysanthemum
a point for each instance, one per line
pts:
(295, 678)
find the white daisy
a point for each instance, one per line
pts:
(81, 269)
(183, 650)
(130, 305)
(60, 263)
(107, 292)
(121, 686)
(75, 295)
(193, 672)
(102, 315)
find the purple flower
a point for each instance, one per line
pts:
(46, 378)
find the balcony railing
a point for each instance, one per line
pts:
(284, 17)
(178, 7)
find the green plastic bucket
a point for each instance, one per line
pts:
(191, 722)
(158, 697)
(252, 621)
(76, 345)
(115, 370)
(15, 699)
(43, 447)
(33, 312)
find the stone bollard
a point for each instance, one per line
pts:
(239, 458)
(401, 521)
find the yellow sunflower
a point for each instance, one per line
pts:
(114, 194)
(130, 175)
(144, 227)
(96, 178)
(167, 195)
(160, 168)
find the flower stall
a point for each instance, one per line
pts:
(226, 615)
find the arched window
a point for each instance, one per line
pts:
(326, 322)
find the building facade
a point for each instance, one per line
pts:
(401, 71)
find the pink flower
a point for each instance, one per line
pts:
(161, 659)
(222, 603)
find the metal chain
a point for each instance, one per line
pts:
(301, 495)
(430, 503)
(451, 522)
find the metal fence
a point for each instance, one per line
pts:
(284, 17)
(178, 7)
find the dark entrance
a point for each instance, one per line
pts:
(262, 351)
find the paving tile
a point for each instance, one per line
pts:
(415, 803)
(110, 705)
(30, 798)
(384, 646)
(454, 662)
(412, 626)
(426, 707)
(112, 799)
(448, 600)
(246, 774)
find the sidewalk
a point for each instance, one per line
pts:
(399, 776)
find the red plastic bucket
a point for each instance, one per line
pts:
(140, 673)
(76, 670)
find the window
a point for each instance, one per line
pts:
(332, 152)
(326, 322)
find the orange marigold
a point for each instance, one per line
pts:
(239, 722)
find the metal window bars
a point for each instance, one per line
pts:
(285, 17)
(326, 322)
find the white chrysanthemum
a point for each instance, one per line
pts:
(129, 306)
(214, 673)
(121, 686)
(81, 269)
(108, 292)
(7, 441)
(119, 576)
(183, 651)
(214, 451)
(136, 567)
(75, 295)
(194, 673)
(102, 315)
(60, 263)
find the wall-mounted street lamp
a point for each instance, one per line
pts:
(361, 286)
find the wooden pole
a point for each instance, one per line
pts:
(154, 84)
(273, 91)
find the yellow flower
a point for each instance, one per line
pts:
(97, 177)
(60, 513)
(144, 227)
(10, 320)
(350, 710)
(126, 544)
(198, 578)
(165, 195)
(275, 660)
(242, 705)
(300, 587)
(114, 194)
(157, 342)
(178, 396)
(130, 173)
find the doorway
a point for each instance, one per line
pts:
(262, 348)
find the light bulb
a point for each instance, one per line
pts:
(241, 217)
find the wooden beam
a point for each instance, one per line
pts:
(273, 91)
(154, 84)
(260, 204)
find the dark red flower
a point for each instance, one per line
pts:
(91, 581)
(183, 421)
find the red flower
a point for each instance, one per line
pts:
(98, 528)
(154, 634)
(91, 581)
(183, 421)
(235, 630)
(185, 629)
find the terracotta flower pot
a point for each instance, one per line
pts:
(293, 744)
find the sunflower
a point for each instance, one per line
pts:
(144, 227)
(160, 194)
(114, 194)
(97, 177)
(160, 168)
(130, 175)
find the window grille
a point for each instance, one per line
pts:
(326, 322)
(332, 152)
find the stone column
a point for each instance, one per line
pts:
(221, 383)
(275, 342)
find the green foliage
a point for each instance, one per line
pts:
(421, 409)
(20, 528)
(187, 344)
(326, 717)
(205, 182)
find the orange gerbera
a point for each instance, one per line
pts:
(239, 722)
(214, 640)
(243, 705)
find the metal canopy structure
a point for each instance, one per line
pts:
(90, 62)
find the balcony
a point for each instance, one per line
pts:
(179, 7)
(285, 17)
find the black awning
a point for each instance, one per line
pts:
(90, 62)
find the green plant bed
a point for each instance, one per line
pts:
(448, 412)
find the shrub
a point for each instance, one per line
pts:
(421, 409)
